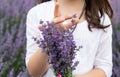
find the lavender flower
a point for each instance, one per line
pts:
(12, 36)
(60, 47)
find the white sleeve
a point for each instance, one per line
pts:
(103, 58)
(31, 30)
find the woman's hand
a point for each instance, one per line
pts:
(63, 21)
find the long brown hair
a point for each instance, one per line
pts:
(92, 9)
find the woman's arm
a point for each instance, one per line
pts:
(37, 64)
(35, 59)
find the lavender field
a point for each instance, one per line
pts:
(13, 40)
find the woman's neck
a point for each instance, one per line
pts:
(72, 3)
(71, 6)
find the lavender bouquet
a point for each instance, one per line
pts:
(60, 47)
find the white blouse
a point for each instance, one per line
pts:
(96, 51)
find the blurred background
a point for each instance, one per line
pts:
(13, 41)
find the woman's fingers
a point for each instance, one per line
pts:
(67, 24)
(61, 19)
(58, 20)
(40, 27)
(56, 10)
(65, 21)
(68, 17)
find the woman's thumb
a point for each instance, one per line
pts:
(56, 10)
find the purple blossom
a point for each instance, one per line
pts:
(60, 46)
(11, 74)
(12, 36)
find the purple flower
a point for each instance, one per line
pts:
(60, 46)
(12, 35)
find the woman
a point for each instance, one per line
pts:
(93, 33)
